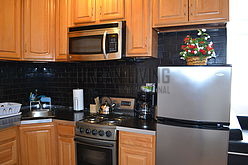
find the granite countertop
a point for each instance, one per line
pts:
(67, 113)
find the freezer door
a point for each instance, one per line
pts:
(194, 93)
(191, 146)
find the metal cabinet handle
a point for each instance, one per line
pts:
(104, 45)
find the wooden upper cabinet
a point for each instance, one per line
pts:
(39, 30)
(170, 11)
(84, 11)
(63, 21)
(10, 29)
(8, 146)
(208, 10)
(141, 39)
(38, 145)
(97, 11)
(111, 9)
(186, 12)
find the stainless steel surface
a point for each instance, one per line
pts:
(86, 130)
(191, 146)
(194, 93)
(104, 45)
(87, 151)
(40, 113)
(103, 32)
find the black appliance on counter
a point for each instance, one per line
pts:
(145, 105)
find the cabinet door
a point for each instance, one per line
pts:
(84, 11)
(111, 9)
(38, 144)
(10, 29)
(132, 156)
(66, 145)
(8, 147)
(39, 29)
(208, 10)
(167, 12)
(63, 20)
(66, 150)
(136, 149)
(139, 29)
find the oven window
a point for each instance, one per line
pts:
(93, 155)
(86, 45)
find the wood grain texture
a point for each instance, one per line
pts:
(139, 29)
(84, 11)
(38, 145)
(8, 146)
(136, 149)
(66, 145)
(63, 21)
(39, 30)
(10, 29)
(169, 11)
(204, 10)
(112, 9)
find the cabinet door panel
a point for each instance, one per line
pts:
(166, 12)
(8, 146)
(66, 151)
(62, 24)
(139, 29)
(84, 11)
(39, 29)
(10, 29)
(37, 144)
(130, 156)
(207, 10)
(111, 9)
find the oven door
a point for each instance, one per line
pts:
(91, 151)
(95, 45)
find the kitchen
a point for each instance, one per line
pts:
(121, 78)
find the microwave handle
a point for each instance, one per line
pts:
(104, 44)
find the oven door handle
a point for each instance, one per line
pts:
(104, 45)
(98, 144)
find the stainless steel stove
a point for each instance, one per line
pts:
(99, 126)
(96, 135)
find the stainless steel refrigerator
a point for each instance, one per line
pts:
(193, 115)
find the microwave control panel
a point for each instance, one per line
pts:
(112, 43)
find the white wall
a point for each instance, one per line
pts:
(237, 54)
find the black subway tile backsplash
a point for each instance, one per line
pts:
(121, 78)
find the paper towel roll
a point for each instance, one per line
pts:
(78, 99)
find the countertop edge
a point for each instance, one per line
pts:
(136, 130)
(36, 121)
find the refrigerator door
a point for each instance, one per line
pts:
(191, 146)
(194, 93)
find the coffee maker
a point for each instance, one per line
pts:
(145, 105)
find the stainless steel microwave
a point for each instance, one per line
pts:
(97, 42)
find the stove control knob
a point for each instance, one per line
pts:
(108, 133)
(101, 132)
(81, 130)
(87, 131)
(94, 132)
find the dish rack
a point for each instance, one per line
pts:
(8, 109)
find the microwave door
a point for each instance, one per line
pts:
(86, 45)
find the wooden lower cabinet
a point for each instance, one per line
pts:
(8, 146)
(66, 145)
(37, 144)
(136, 149)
